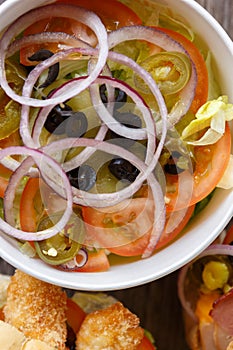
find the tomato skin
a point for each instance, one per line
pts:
(146, 344)
(229, 235)
(166, 238)
(94, 223)
(75, 315)
(210, 164)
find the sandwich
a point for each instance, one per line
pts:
(36, 315)
(205, 289)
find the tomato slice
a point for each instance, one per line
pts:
(146, 344)
(100, 227)
(75, 315)
(28, 212)
(113, 14)
(229, 235)
(210, 164)
(201, 69)
(97, 262)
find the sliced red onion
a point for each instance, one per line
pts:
(58, 10)
(48, 37)
(106, 117)
(24, 125)
(38, 157)
(161, 39)
(101, 200)
(74, 264)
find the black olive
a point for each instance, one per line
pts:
(40, 55)
(171, 166)
(71, 338)
(53, 71)
(83, 177)
(123, 170)
(55, 120)
(130, 120)
(76, 125)
(120, 96)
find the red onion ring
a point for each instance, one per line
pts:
(109, 199)
(167, 43)
(10, 192)
(74, 264)
(109, 120)
(38, 156)
(48, 37)
(58, 10)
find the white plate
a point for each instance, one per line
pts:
(203, 230)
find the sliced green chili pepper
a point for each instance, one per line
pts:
(10, 110)
(170, 70)
(65, 245)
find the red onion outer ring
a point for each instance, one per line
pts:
(102, 111)
(163, 40)
(108, 199)
(40, 38)
(40, 235)
(10, 192)
(58, 10)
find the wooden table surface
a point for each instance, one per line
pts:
(156, 303)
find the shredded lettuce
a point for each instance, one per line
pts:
(212, 115)
(226, 181)
(213, 87)
(158, 14)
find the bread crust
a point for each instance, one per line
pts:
(37, 309)
(113, 328)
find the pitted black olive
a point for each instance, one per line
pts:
(171, 166)
(53, 71)
(123, 170)
(40, 55)
(76, 125)
(55, 120)
(128, 119)
(83, 177)
(120, 96)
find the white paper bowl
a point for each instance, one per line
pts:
(203, 230)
